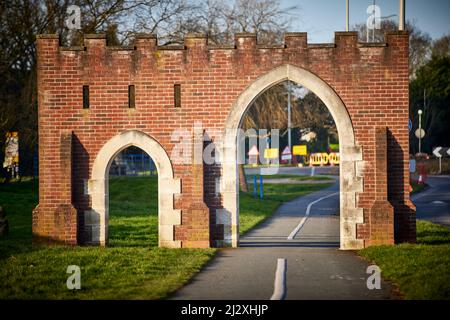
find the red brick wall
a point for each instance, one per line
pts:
(372, 81)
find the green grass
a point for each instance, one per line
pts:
(131, 267)
(417, 187)
(254, 210)
(18, 199)
(133, 223)
(422, 270)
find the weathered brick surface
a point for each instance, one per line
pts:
(61, 226)
(372, 82)
(381, 213)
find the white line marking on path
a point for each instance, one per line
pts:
(308, 209)
(279, 291)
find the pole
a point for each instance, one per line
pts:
(420, 121)
(289, 119)
(261, 188)
(373, 30)
(420, 133)
(254, 186)
(401, 19)
(347, 17)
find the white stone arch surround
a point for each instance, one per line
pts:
(351, 182)
(96, 219)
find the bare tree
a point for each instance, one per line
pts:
(269, 110)
(220, 20)
(168, 19)
(441, 46)
(22, 20)
(419, 42)
(266, 18)
(120, 20)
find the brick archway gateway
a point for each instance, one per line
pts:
(96, 99)
(96, 219)
(351, 154)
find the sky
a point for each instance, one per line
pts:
(321, 18)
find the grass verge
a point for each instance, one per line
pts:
(422, 270)
(131, 267)
(416, 187)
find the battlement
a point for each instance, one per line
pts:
(292, 40)
(145, 55)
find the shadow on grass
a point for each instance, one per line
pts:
(9, 246)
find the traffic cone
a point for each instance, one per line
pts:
(420, 181)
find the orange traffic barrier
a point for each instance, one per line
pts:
(322, 159)
(333, 158)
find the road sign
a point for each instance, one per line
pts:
(437, 152)
(253, 151)
(11, 162)
(300, 151)
(420, 133)
(286, 154)
(11, 149)
(271, 153)
(441, 152)
(253, 156)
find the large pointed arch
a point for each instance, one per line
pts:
(350, 161)
(96, 219)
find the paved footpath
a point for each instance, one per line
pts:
(312, 266)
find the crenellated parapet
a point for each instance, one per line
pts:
(297, 40)
(196, 43)
(96, 59)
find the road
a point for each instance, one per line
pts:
(314, 266)
(299, 171)
(433, 204)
